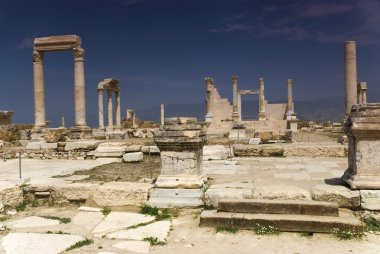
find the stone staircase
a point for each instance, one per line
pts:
(285, 215)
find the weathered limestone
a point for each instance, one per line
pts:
(131, 114)
(370, 199)
(209, 86)
(6, 117)
(262, 102)
(363, 130)
(238, 132)
(291, 117)
(180, 141)
(215, 152)
(133, 157)
(350, 75)
(57, 43)
(235, 113)
(338, 194)
(111, 86)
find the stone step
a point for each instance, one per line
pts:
(283, 222)
(301, 207)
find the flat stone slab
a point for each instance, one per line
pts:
(370, 199)
(134, 246)
(159, 229)
(133, 148)
(89, 209)
(234, 190)
(88, 220)
(34, 146)
(111, 149)
(34, 243)
(216, 152)
(152, 149)
(32, 222)
(133, 157)
(339, 194)
(120, 220)
(176, 198)
(280, 191)
(121, 194)
(85, 144)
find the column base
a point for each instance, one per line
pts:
(176, 198)
(81, 132)
(235, 116)
(37, 134)
(360, 182)
(262, 116)
(184, 182)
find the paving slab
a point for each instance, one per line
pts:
(370, 199)
(34, 243)
(120, 220)
(339, 194)
(159, 229)
(134, 246)
(88, 220)
(32, 222)
(280, 191)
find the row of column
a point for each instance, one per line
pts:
(109, 110)
(39, 89)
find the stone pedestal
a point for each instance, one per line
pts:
(363, 130)
(237, 132)
(180, 183)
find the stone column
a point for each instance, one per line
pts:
(290, 109)
(350, 75)
(133, 119)
(262, 105)
(100, 110)
(209, 88)
(63, 121)
(363, 130)
(181, 181)
(79, 88)
(235, 111)
(110, 113)
(39, 91)
(239, 107)
(118, 112)
(362, 96)
(162, 114)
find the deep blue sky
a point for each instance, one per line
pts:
(160, 50)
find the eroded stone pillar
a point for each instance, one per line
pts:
(239, 107)
(290, 97)
(363, 130)
(110, 111)
(181, 181)
(39, 90)
(79, 88)
(362, 93)
(63, 121)
(350, 75)
(162, 114)
(235, 110)
(262, 115)
(209, 87)
(100, 109)
(118, 112)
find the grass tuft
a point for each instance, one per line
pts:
(3, 218)
(228, 229)
(266, 230)
(62, 220)
(371, 224)
(60, 232)
(154, 211)
(208, 207)
(306, 234)
(80, 244)
(153, 240)
(347, 235)
(106, 210)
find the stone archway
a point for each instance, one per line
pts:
(59, 43)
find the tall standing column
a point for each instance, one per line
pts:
(110, 113)
(235, 111)
(262, 105)
(118, 113)
(239, 106)
(350, 75)
(290, 109)
(162, 114)
(39, 90)
(100, 110)
(79, 88)
(209, 88)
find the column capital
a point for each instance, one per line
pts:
(78, 54)
(235, 78)
(38, 56)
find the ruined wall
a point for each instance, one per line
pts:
(278, 126)
(221, 108)
(276, 111)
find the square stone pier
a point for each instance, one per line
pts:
(181, 181)
(363, 130)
